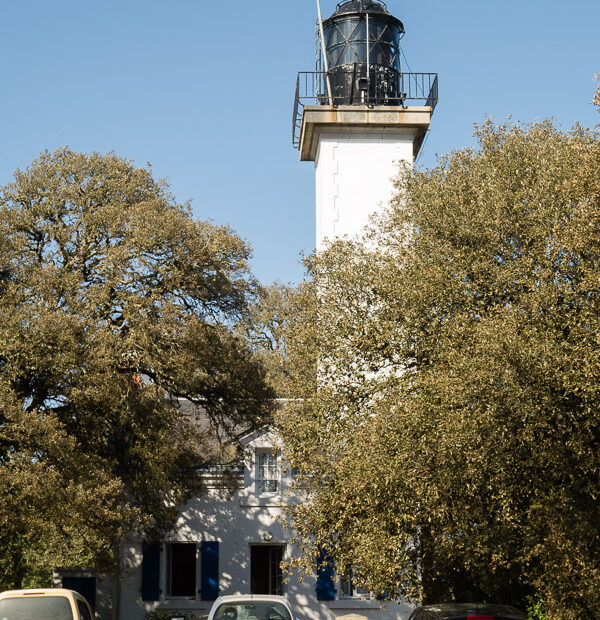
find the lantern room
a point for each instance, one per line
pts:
(363, 54)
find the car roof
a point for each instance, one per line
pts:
(451, 610)
(40, 592)
(240, 598)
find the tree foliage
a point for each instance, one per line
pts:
(452, 448)
(114, 305)
(268, 329)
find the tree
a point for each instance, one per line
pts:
(115, 304)
(268, 328)
(452, 447)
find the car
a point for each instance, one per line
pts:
(44, 604)
(467, 611)
(250, 607)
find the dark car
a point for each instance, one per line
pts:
(466, 611)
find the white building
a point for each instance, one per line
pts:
(233, 542)
(356, 125)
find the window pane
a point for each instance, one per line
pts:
(360, 31)
(266, 576)
(348, 587)
(181, 558)
(267, 472)
(47, 607)
(84, 612)
(388, 33)
(346, 584)
(377, 29)
(333, 36)
(333, 55)
(276, 574)
(382, 54)
(348, 26)
(354, 52)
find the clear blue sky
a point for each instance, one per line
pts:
(203, 90)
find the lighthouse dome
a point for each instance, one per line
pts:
(361, 6)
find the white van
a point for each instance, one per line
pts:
(44, 604)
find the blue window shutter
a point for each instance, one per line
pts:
(325, 585)
(210, 570)
(151, 571)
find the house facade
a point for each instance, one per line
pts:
(233, 541)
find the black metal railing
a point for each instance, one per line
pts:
(351, 88)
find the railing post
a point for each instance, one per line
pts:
(295, 112)
(324, 52)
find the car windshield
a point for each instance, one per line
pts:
(40, 608)
(252, 610)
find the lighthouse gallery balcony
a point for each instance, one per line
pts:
(378, 89)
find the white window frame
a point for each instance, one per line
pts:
(273, 471)
(347, 589)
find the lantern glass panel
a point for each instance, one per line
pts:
(348, 25)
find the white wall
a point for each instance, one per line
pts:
(354, 171)
(238, 521)
(216, 516)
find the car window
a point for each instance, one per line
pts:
(40, 608)
(84, 611)
(254, 610)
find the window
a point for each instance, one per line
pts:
(267, 472)
(84, 611)
(266, 576)
(348, 589)
(57, 607)
(181, 569)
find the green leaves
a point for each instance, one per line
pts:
(451, 448)
(114, 305)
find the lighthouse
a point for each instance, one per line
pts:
(358, 115)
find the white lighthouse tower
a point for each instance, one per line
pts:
(359, 115)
